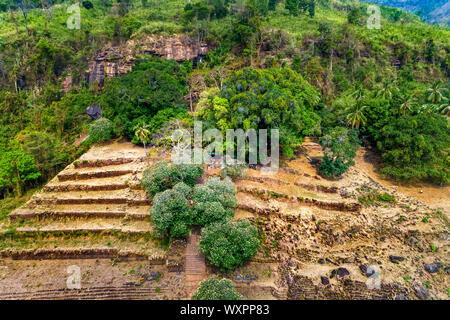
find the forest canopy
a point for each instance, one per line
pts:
(304, 67)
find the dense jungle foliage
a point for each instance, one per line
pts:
(308, 67)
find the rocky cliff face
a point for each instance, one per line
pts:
(114, 61)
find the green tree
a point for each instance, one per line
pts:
(277, 98)
(434, 94)
(171, 214)
(292, 6)
(25, 6)
(213, 201)
(49, 154)
(339, 147)
(142, 133)
(416, 147)
(215, 289)
(230, 244)
(152, 93)
(16, 168)
(356, 116)
(406, 106)
(164, 175)
(386, 90)
(354, 16)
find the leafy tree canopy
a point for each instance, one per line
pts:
(339, 147)
(164, 175)
(230, 244)
(215, 289)
(416, 147)
(277, 98)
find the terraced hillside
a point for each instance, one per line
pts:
(352, 238)
(94, 209)
(326, 239)
(99, 194)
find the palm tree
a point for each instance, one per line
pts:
(434, 93)
(444, 108)
(406, 106)
(429, 108)
(387, 89)
(141, 132)
(355, 116)
(359, 92)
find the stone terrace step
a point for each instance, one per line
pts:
(95, 293)
(82, 229)
(94, 200)
(76, 253)
(55, 213)
(263, 193)
(295, 190)
(75, 175)
(84, 187)
(79, 227)
(95, 184)
(132, 197)
(81, 163)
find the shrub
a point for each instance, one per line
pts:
(100, 130)
(214, 201)
(386, 197)
(233, 171)
(223, 191)
(373, 196)
(332, 168)
(205, 213)
(163, 176)
(215, 289)
(157, 178)
(184, 189)
(230, 244)
(171, 213)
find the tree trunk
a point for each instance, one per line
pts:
(13, 19)
(26, 22)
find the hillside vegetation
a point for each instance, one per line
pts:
(307, 67)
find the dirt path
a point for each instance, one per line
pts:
(195, 266)
(435, 196)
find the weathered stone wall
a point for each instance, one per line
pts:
(114, 61)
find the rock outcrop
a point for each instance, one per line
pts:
(94, 111)
(114, 61)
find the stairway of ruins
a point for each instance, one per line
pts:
(97, 293)
(98, 194)
(195, 267)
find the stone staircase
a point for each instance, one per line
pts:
(95, 200)
(195, 267)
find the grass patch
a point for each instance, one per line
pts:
(7, 205)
